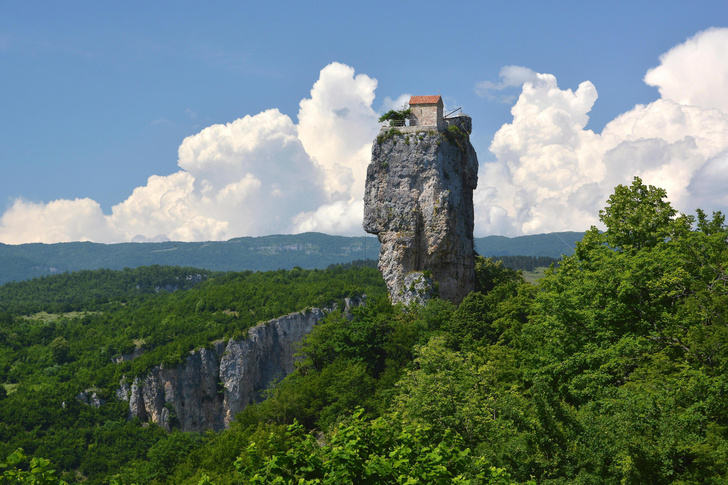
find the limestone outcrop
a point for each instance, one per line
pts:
(90, 398)
(213, 384)
(419, 202)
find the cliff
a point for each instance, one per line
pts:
(419, 202)
(213, 384)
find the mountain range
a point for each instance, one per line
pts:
(308, 250)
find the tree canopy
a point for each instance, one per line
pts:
(612, 368)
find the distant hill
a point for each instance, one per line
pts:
(553, 245)
(307, 250)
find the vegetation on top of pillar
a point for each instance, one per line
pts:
(390, 133)
(395, 115)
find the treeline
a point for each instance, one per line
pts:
(518, 263)
(526, 263)
(94, 290)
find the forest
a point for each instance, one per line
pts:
(610, 369)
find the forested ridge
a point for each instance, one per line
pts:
(267, 253)
(611, 369)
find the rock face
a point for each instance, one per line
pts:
(419, 202)
(90, 398)
(212, 385)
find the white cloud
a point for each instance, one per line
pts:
(336, 126)
(336, 218)
(710, 182)
(166, 207)
(395, 104)
(696, 72)
(248, 177)
(552, 174)
(511, 77)
(56, 221)
(257, 175)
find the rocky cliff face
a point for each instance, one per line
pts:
(213, 385)
(419, 202)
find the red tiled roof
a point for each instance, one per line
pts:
(424, 100)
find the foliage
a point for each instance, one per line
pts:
(17, 468)
(455, 136)
(378, 452)
(637, 216)
(396, 115)
(390, 133)
(94, 290)
(526, 263)
(629, 334)
(612, 369)
(47, 359)
(489, 274)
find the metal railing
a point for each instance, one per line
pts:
(400, 123)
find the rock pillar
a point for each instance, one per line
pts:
(419, 202)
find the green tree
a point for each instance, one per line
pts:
(396, 115)
(17, 468)
(60, 349)
(365, 452)
(637, 216)
(170, 451)
(489, 274)
(629, 336)
(479, 396)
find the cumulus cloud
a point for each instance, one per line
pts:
(544, 158)
(336, 126)
(710, 182)
(696, 72)
(261, 174)
(56, 221)
(340, 217)
(249, 177)
(552, 174)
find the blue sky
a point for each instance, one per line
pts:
(97, 98)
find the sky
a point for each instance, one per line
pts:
(193, 121)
